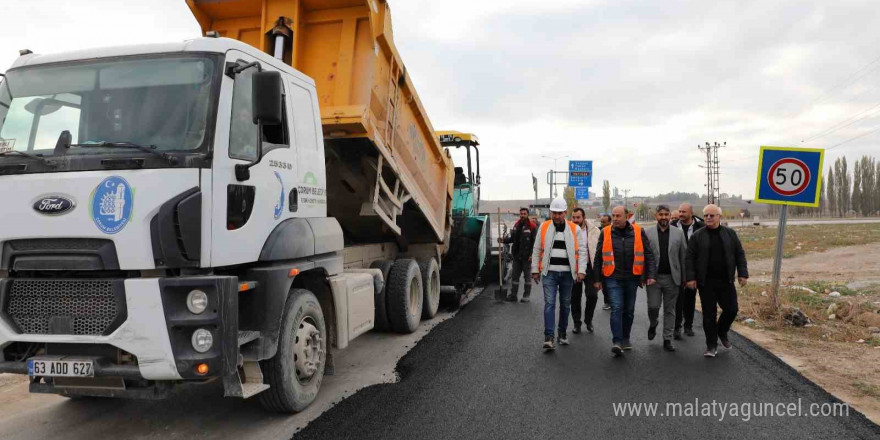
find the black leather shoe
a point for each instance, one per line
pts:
(590, 327)
(677, 335)
(577, 328)
(689, 331)
(652, 332)
(667, 345)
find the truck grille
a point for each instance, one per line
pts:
(72, 307)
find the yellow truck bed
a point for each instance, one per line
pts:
(367, 101)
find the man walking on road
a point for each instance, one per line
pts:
(687, 298)
(522, 236)
(715, 256)
(557, 257)
(588, 236)
(627, 263)
(604, 221)
(670, 248)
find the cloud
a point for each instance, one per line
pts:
(633, 85)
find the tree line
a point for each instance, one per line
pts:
(846, 191)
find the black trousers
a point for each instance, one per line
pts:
(577, 292)
(712, 295)
(684, 308)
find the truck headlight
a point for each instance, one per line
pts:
(202, 340)
(197, 302)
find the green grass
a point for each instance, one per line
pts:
(806, 299)
(866, 389)
(821, 286)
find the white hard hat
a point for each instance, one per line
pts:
(558, 205)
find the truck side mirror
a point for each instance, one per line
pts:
(267, 94)
(267, 109)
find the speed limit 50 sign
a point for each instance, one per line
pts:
(790, 176)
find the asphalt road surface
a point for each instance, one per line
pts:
(482, 375)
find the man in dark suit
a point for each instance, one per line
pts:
(715, 257)
(687, 298)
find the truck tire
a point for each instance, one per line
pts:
(430, 272)
(381, 310)
(295, 374)
(404, 296)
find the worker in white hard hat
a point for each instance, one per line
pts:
(557, 261)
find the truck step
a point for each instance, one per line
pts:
(247, 336)
(247, 383)
(251, 389)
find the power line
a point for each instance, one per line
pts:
(847, 122)
(847, 82)
(855, 76)
(852, 139)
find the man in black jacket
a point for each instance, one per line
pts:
(522, 236)
(715, 257)
(687, 297)
(626, 264)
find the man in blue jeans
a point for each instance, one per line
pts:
(559, 258)
(627, 264)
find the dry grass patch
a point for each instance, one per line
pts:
(760, 241)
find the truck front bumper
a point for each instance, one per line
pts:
(156, 328)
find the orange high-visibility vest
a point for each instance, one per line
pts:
(608, 252)
(544, 227)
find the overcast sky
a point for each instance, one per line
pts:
(634, 86)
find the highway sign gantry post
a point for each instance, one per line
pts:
(788, 176)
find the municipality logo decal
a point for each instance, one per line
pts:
(279, 207)
(112, 203)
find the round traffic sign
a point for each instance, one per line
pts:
(789, 176)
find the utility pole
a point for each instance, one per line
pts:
(713, 171)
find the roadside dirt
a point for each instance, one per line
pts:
(843, 264)
(826, 351)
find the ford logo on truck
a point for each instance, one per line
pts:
(54, 205)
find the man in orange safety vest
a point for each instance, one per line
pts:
(627, 264)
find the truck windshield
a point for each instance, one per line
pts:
(162, 101)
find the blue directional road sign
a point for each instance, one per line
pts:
(581, 193)
(580, 173)
(790, 176)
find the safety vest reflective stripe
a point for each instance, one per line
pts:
(544, 227)
(608, 252)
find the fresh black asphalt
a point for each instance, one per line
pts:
(482, 375)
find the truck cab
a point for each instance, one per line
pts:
(165, 218)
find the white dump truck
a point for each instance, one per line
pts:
(203, 211)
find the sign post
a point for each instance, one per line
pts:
(787, 176)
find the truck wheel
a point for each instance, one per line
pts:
(380, 308)
(430, 272)
(404, 296)
(294, 375)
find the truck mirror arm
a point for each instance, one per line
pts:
(243, 170)
(233, 69)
